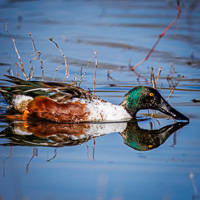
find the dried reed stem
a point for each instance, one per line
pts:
(191, 175)
(37, 53)
(93, 151)
(65, 59)
(17, 52)
(152, 78)
(34, 154)
(140, 76)
(17, 68)
(174, 87)
(159, 37)
(53, 79)
(53, 157)
(74, 81)
(158, 75)
(173, 69)
(31, 72)
(83, 74)
(19, 58)
(95, 70)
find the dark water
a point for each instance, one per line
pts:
(132, 164)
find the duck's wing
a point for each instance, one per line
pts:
(60, 92)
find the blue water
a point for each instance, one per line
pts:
(118, 31)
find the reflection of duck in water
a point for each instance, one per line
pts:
(144, 139)
(44, 133)
(60, 102)
(54, 134)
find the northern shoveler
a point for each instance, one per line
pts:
(61, 102)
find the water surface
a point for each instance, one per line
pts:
(122, 33)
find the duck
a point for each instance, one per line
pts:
(63, 102)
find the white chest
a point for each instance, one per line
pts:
(105, 111)
(20, 102)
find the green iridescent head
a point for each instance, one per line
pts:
(143, 97)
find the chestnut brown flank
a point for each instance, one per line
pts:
(46, 108)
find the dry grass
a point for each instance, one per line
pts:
(19, 62)
(37, 53)
(20, 65)
(31, 72)
(95, 70)
(34, 154)
(153, 78)
(62, 53)
(195, 196)
(173, 81)
(54, 77)
(83, 74)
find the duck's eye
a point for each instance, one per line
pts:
(151, 94)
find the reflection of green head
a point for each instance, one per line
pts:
(143, 139)
(133, 141)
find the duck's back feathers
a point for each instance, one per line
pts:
(60, 92)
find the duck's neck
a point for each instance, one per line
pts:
(132, 101)
(130, 108)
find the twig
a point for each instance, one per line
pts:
(191, 175)
(109, 77)
(19, 58)
(83, 74)
(88, 153)
(17, 52)
(54, 156)
(151, 125)
(173, 69)
(95, 70)
(93, 151)
(174, 87)
(10, 72)
(158, 75)
(152, 78)
(53, 79)
(34, 154)
(159, 37)
(140, 76)
(74, 81)
(38, 54)
(31, 73)
(65, 59)
(4, 161)
(17, 68)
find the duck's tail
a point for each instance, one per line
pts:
(6, 94)
(18, 87)
(8, 91)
